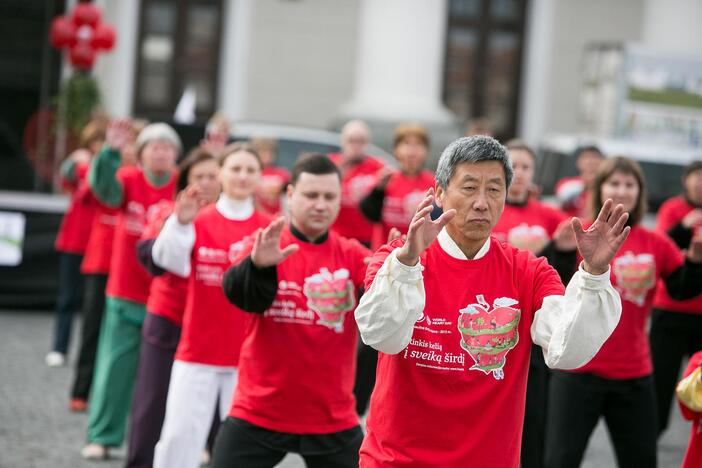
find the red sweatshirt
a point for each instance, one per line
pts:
(270, 189)
(671, 213)
(357, 181)
(128, 279)
(455, 396)
(73, 234)
(168, 291)
(528, 227)
(402, 196)
(298, 360)
(213, 329)
(96, 260)
(572, 190)
(643, 259)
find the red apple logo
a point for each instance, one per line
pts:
(635, 276)
(489, 332)
(531, 238)
(330, 295)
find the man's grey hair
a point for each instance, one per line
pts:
(471, 149)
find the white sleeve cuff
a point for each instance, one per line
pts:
(173, 247)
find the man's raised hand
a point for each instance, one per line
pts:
(422, 230)
(601, 242)
(266, 249)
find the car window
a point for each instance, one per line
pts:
(289, 150)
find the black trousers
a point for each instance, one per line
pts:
(93, 307)
(238, 446)
(70, 296)
(674, 336)
(576, 403)
(366, 362)
(534, 433)
(160, 338)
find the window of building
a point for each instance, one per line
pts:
(178, 50)
(483, 61)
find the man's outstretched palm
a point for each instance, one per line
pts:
(422, 230)
(601, 242)
(266, 249)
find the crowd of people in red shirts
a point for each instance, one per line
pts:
(235, 311)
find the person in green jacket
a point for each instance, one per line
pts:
(136, 192)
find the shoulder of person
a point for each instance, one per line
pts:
(206, 213)
(263, 219)
(130, 172)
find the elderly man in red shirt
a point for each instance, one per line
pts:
(454, 312)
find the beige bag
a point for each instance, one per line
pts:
(689, 390)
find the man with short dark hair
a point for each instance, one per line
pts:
(453, 313)
(296, 370)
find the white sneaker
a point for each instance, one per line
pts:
(94, 452)
(55, 359)
(205, 458)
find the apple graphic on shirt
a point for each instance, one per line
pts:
(488, 333)
(330, 295)
(532, 238)
(636, 275)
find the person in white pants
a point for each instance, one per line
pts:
(200, 244)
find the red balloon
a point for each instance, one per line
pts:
(104, 37)
(63, 32)
(82, 55)
(86, 13)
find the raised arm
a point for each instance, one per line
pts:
(252, 284)
(395, 298)
(103, 172)
(174, 244)
(571, 328)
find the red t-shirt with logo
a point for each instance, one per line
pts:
(128, 279)
(643, 259)
(74, 231)
(402, 196)
(298, 360)
(693, 455)
(213, 328)
(357, 181)
(529, 226)
(455, 396)
(576, 198)
(270, 189)
(168, 291)
(98, 252)
(671, 213)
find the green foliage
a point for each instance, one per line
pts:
(78, 98)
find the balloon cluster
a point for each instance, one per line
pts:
(83, 34)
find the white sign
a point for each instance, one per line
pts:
(11, 238)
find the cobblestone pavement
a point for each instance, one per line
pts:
(38, 431)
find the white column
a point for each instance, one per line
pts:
(234, 58)
(400, 64)
(537, 60)
(115, 70)
(673, 26)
